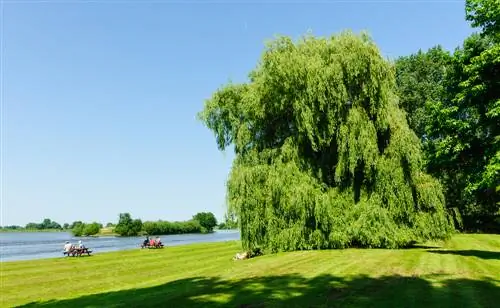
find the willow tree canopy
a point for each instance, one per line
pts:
(324, 155)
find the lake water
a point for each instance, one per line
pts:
(37, 245)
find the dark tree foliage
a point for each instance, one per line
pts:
(46, 224)
(75, 223)
(11, 227)
(127, 226)
(420, 78)
(324, 156)
(86, 229)
(464, 127)
(207, 220)
(167, 227)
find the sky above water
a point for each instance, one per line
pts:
(100, 97)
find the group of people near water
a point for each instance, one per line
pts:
(69, 246)
(152, 242)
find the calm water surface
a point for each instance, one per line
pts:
(37, 245)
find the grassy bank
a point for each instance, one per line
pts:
(464, 272)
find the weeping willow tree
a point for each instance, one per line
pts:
(324, 156)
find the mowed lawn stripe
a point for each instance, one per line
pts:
(116, 273)
(65, 264)
(204, 275)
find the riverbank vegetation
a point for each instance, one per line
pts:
(47, 225)
(86, 229)
(203, 222)
(338, 147)
(167, 227)
(461, 272)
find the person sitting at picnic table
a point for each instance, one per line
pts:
(68, 247)
(152, 242)
(146, 241)
(158, 242)
(80, 245)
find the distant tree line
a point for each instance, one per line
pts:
(85, 229)
(202, 222)
(46, 224)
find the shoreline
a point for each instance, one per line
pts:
(122, 251)
(51, 246)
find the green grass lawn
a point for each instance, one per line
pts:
(464, 272)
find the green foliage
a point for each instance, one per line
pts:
(92, 229)
(84, 229)
(78, 228)
(165, 227)
(46, 224)
(207, 220)
(324, 155)
(11, 228)
(484, 14)
(464, 147)
(420, 78)
(74, 224)
(230, 222)
(127, 226)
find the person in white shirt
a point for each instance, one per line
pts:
(67, 246)
(80, 245)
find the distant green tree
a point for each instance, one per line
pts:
(167, 227)
(110, 225)
(92, 228)
(32, 226)
(12, 227)
(66, 226)
(46, 224)
(127, 226)
(75, 223)
(420, 78)
(78, 229)
(207, 220)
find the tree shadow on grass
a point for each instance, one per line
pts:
(483, 254)
(298, 291)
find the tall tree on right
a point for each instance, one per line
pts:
(459, 121)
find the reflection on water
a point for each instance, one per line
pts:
(37, 245)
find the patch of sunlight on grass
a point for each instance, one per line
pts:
(219, 298)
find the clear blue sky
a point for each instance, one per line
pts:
(100, 99)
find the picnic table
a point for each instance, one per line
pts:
(149, 246)
(78, 252)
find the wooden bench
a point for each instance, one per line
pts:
(148, 246)
(77, 252)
